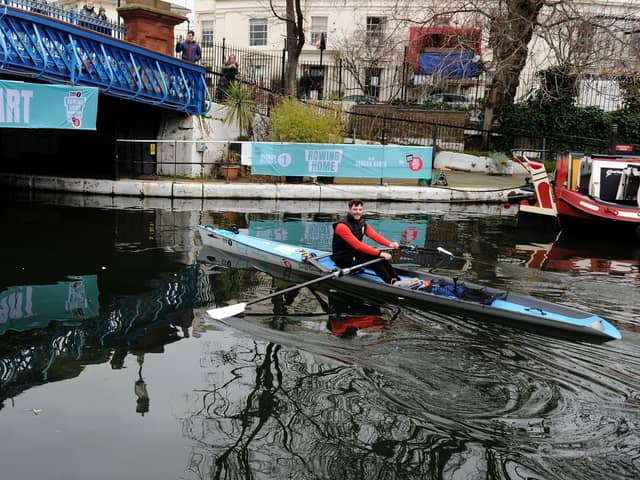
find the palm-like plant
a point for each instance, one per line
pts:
(238, 101)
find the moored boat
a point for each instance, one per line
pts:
(597, 193)
(436, 291)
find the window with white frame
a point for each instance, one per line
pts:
(206, 27)
(258, 32)
(375, 31)
(318, 27)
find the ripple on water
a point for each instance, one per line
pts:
(541, 406)
(504, 383)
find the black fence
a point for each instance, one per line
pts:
(360, 92)
(390, 128)
(330, 79)
(391, 82)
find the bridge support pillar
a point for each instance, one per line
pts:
(150, 24)
(197, 143)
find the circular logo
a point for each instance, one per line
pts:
(284, 159)
(75, 121)
(416, 164)
(410, 234)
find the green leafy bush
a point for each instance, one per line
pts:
(294, 121)
(568, 127)
(550, 113)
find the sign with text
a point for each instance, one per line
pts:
(337, 160)
(31, 105)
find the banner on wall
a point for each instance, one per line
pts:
(32, 105)
(337, 160)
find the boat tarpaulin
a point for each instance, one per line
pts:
(450, 64)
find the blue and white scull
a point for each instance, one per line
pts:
(437, 290)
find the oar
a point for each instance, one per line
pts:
(232, 310)
(440, 250)
(446, 256)
(415, 249)
(445, 253)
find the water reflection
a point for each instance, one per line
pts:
(391, 409)
(40, 352)
(569, 253)
(316, 385)
(413, 394)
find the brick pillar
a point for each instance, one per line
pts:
(150, 24)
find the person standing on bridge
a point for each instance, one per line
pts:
(87, 15)
(88, 10)
(103, 22)
(189, 48)
(348, 248)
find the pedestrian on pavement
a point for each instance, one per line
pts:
(305, 85)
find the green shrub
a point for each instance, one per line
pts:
(239, 104)
(294, 121)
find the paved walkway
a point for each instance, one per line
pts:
(463, 187)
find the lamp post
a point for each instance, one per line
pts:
(322, 45)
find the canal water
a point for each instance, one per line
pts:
(111, 369)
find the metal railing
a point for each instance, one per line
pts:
(70, 15)
(42, 47)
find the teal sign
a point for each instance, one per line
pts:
(309, 233)
(31, 105)
(35, 306)
(337, 160)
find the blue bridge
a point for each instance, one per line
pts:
(49, 44)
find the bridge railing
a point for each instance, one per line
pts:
(41, 47)
(69, 15)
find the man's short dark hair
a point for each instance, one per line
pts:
(191, 32)
(356, 203)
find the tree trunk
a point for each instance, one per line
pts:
(509, 37)
(295, 42)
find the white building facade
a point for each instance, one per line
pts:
(375, 33)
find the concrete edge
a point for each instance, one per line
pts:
(141, 189)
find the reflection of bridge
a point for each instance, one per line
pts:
(51, 48)
(141, 322)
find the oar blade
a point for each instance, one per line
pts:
(228, 311)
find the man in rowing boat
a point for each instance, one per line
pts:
(349, 249)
